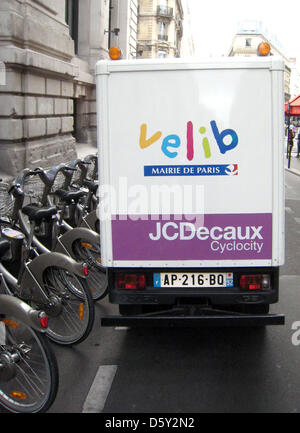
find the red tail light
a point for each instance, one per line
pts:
(254, 282)
(251, 282)
(43, 320)
(131, 281)
(85, 270)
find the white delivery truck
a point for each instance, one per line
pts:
(191, 172)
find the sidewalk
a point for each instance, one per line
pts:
(294, 166)
(84, 149)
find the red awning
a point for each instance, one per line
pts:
(294, 107)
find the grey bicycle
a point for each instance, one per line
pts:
(28, 368)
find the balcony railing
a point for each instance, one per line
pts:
(163, 37)
(165, 11)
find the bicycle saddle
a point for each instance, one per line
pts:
(69, 196)
(37, 214)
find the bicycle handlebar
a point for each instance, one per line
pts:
(70, 168)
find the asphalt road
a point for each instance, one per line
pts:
(178, 371)
(195, 370)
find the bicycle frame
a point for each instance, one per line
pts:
(87, 218)
(20, 310)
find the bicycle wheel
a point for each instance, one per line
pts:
(97, 277)
(28, 368)
(71, 313)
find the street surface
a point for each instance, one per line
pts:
(192, 370)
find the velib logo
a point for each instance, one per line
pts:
(226, 140)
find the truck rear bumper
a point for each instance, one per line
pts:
(182, 318)
(214, 296)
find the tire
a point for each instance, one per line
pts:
(32, 382)
(97, 277)
(71, 317)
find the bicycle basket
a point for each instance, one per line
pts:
(33, 188)
(59, 182)
(75, 183)
(92, 171)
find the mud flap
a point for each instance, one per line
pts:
(39, 264)
(90, 220)
(65, 242)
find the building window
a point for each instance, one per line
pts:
(162, 31)
(163, 5)
(164, 10)
(72, 21)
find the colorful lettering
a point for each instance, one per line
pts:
(205, 143)
(173, 141)
(190, 141)
(170, 141)
(220, 138)
(143, 140)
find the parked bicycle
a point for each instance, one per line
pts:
(83, 177)
(55, 234)
(52, 281)
(28, 368)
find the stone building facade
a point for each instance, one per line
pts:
(48, 51)
(160, 28)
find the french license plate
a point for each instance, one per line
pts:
(189, 279)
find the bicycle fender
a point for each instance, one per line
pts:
(67, 239)
(40, 263)
(21, 311)
(91, 219)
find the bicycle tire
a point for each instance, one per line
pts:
(96, 279)
(71, 318)
(34, 386)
